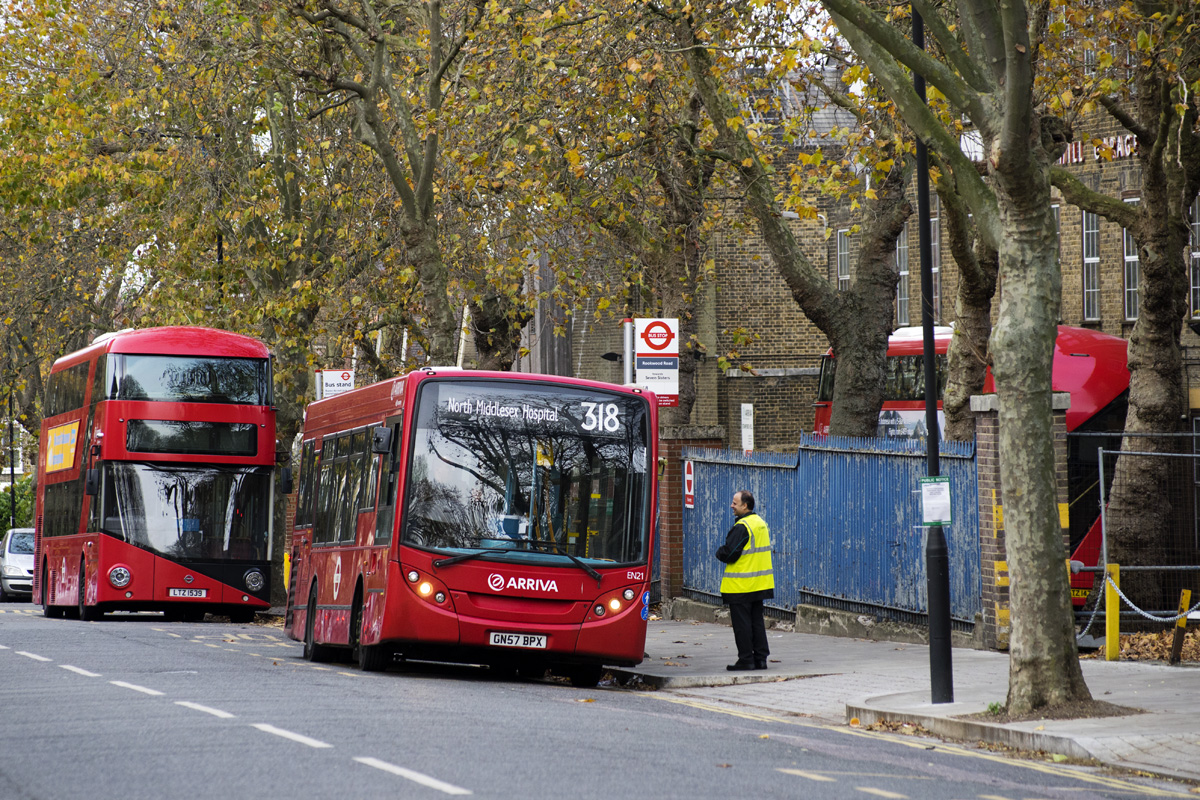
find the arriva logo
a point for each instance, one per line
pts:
(496, 583)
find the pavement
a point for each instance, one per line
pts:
(833, 680)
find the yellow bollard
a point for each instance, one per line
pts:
(1112, 614)
(287, 569)
(1185, 600)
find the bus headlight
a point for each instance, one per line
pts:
(426, 588)
(119, 577)
(615, 605)
(254, 580)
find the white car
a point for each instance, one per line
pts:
(16, 563)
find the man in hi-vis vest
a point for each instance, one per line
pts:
(748, 581)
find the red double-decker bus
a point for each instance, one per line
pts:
(479, 517)
(1090, 365)
(156, 476)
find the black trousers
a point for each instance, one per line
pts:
(749, 631)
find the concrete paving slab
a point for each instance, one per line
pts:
(832, 679)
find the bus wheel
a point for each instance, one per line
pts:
(370, 657)
(241, 616)
(585, 677)
(86, 613)
(312, 650)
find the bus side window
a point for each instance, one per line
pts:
(322, 532)
(304, 503)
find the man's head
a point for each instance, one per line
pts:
(743, 503)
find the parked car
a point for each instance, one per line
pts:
(16, 563)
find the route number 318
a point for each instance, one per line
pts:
(601, 417)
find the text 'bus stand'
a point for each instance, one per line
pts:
(937, 557)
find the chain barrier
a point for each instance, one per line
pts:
(1099, 600)
(1108, 579)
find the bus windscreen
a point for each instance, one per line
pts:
(182, 379)
(188, 512)
(528, 472)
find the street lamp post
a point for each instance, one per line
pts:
(937, 557)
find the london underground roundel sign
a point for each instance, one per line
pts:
(658, 335)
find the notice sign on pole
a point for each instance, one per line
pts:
(656, 351)
(334, 381)
(689, 485)
(935, 500)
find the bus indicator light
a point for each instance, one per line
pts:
(413, 576)
(599, 610)
(628, 594)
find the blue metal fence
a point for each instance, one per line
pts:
(845, 519)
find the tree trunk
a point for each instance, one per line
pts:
(497, 323)
(1146, 494)
(421, 237)
(1043, 667)
(968, 359)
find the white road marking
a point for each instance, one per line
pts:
(3, 647)
(812, 776)
(136, 688)
(79, 671)
(216, 712)
(882, 793)
(295, 737)
(416, 777)
(34, 656)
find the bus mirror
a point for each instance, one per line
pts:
(285, 478)
(381, 440)
(92, 482)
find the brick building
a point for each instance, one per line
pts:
(1100, 290)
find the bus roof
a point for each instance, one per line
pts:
(179, 340)
(344, 406)
(1092, 366)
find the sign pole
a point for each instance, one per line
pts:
(937, 556)
(627, 362)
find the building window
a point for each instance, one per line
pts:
(902, 268)
(935, 247)
(843, 259)
(1133, 272)
(1194, 251)
(1091, 266)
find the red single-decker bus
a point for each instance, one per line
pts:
(156, 476)
(480, 517)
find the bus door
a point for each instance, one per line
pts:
(389, 474)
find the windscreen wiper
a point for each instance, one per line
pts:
(578, 561)
(445, 562)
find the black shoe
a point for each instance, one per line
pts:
(739, 666)
(760, 665)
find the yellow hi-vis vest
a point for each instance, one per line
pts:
(752, 571)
